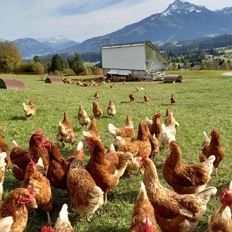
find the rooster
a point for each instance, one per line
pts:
(83, 117)
(143, 218)
(16, 205)
(65, 131)
(174, 212)
(186, 179)
(212, 147)
(97, 111)
(221, 219)
(111, 110)
(29, 109)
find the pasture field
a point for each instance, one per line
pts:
(204, 101)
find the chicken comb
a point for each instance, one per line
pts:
(26, 198)
(47, 229)
(39, 133)
(31, 166)
(31, 191)
(226, 197)
(147, 225)
(144, 157)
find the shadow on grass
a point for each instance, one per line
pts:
(18, 118)
(124, 102)
(106, 228)
(128, 196)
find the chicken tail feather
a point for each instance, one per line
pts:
(112, 129)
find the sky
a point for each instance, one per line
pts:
(79, 19)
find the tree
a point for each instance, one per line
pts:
(10, 57)
(76, 64)
(36, 59)
(57, 63)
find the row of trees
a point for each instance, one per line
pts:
(11, 61)
(199, 60)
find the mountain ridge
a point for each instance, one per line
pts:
(180, 21)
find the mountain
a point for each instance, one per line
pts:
(184, 47)
(30, 47)
(58, 42)
(180, 21)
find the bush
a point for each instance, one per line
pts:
(31, 68)
(68, 72)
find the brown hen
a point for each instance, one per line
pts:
(143, 218)
(173, 211)
(186, 179)
(212, 147)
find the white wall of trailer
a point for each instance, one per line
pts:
(124, 57)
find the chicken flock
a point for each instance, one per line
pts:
(41, 168)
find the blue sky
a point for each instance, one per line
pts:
(79, 19)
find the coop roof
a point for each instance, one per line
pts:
(11, 84)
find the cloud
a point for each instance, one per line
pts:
(88, 6)
(79, 20)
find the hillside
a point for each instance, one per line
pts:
(180, 21)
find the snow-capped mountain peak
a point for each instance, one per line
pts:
(54, 40)
(182, 7)
(227, 10)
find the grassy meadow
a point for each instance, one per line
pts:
(204, 102)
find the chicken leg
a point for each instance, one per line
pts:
(216, 172)
(49, 219)
(105, 198)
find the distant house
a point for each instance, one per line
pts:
(138, 60)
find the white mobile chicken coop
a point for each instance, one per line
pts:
(135, 61)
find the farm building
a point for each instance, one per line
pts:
(138, 60)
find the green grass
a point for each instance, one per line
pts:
(203, 102)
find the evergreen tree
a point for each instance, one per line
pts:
(76, 64)
(36, 59)
(57, 63)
